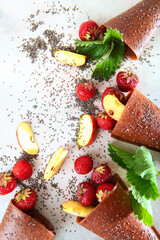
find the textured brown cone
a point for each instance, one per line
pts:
(113, 218)
(17, 225)
(138, 25)
(139, 123)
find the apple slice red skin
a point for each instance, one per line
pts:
(19, 141)
(94, 133)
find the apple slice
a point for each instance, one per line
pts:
(55, 163)
(70, 58)
(113, 106)
(76, 208)
(88, 130)
(26, 139)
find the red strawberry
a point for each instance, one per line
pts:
(101, 174)
(7, 183)
(103, 190)
(105, 121)
(85, 91)
(83, 165)
(22, 170)
(89, 30)
(114, 91)
(25, 199)
(86, 193)
(127, 80)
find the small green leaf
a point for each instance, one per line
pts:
(112, 34)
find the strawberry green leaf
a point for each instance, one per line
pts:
(123, 158)
(108, 66)
(112, 34)
(141, 187)
(142, 213)
(80, 43)
(144, 166)
(95, 51)
(112, 45)
(141, 174)
(104, 67)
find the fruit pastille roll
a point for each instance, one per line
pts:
(138, 25)
(113, 217)
(138, 122)
(17, 225)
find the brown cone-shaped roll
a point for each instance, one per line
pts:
(139, 123)
(113, 218)
(138, 25)
(17, 225)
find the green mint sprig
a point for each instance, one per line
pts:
(110, 49)
(141, 174)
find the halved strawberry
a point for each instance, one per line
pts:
(7, 183)
(103, 190)
(89, 30)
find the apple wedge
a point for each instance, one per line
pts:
(70, 58)
(113, 106)
(76, 208)
(88, 130)
(55, 163)
(26, 139)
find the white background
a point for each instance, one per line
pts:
(43, 93)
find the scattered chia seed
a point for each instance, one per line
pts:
(27, 157)
(33, 47)
(53, 39)
(49, 101)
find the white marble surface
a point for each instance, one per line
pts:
(42, 92)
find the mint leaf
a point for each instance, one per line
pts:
(144, 214)
(123, 158)
(112, 45)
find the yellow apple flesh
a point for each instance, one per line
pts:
(70, 58)
(113, 106)
(55, 163)
(76, 208)
(26, 138)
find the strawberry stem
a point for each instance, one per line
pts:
(157, 173)
(129, 71)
